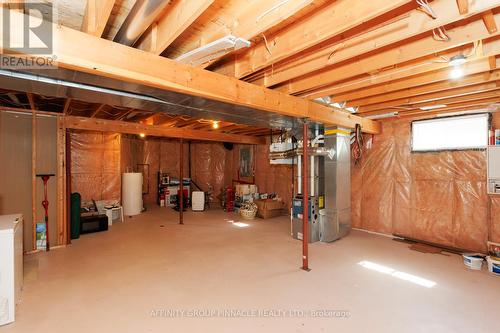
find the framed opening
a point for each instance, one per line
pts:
(450, 133)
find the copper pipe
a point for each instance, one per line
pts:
(181, 183)
(305, 202)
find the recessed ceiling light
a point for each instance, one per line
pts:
(432, 107)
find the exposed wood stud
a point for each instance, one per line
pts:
(463, 6)
(489, 22)
(493, 62)
(31, 100)
(102, 125)
(96, 16)
(33, 175)
(75, 51)
(96, 111)
(61, 182)
(179, 16)
(66, 109)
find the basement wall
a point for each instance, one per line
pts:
(16, 167)
(269, 178)
(435, 197)
(98, 159)
(95, 165)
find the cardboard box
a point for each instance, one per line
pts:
(268, 208)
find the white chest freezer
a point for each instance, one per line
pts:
(11, 265)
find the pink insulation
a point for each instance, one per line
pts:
(436, 197)
(95, 165)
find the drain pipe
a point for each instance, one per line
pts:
(141, 16)
(299, 174)
(181, 182)
(305, 203)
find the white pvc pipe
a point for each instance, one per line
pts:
(299, 174)
(312, 175)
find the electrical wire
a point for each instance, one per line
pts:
(357, 144)
(426, 8)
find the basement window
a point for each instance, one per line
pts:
(450, 133)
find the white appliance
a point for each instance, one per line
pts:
(11, 265)
(198, 201)
(132, 193)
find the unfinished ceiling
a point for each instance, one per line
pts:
(377, 58)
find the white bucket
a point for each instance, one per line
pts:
(473, 260)
(493, 265)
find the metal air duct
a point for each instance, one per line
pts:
(142, 15)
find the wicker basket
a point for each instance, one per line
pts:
(248, 210)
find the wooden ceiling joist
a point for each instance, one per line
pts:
(31, 100)
(97, 110)
(460, 35)
(461, 91)
(407, 26)
(470, 106)
(397, 83)
(179, 16)
(84, 123)
(394, 97)
(325, 23)
(67, 104)
(489, 22)
(463, 6)
(96, 16)
(76, 51)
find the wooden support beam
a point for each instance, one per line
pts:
(96, 16)
(33, 177)
(179, 16)
(313, 86)
(61, 183)
(96, 111)
(478, 105)
(84, 123)
(242, 18)
(493, 62)
(489, 22)
(325, 23)
(402, 96)
(463, 6)
(378, 86)
(430, 97)
(125, 114)
(31, 100)
(410, 25)
(67, 104)
(76, 51)
(451, 104)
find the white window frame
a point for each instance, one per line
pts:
(450, 148)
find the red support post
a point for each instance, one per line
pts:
(305, 201)
(181, 183)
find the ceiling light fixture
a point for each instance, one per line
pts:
(382, 116)
(456, 73)
(457, 60)
(142, 135)
(213, 50)
(432, 107)
(215, 124)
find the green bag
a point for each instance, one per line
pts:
(76, 203)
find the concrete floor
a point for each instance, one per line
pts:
(121, 280)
